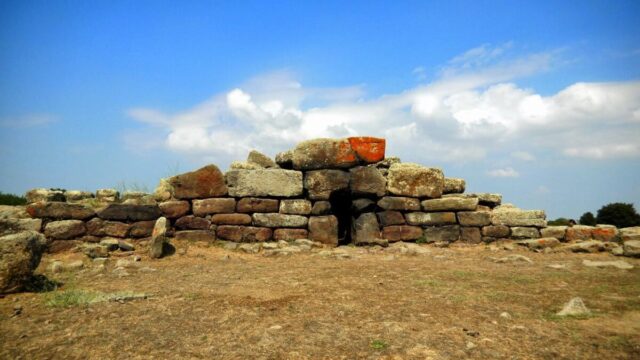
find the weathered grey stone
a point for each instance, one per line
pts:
(470, 235)
(99, 227)
(279, 220)
(125, 245)
(575, 307)
(77, 195)
(541, 243)
(399, 203)
(295, 206)
(261, 159)
(158, 238)
(195, 235)
(496, 231)
(257, 205)
(214, 206)
(20, 255)
(401, 233)
(578, 233)
(474, 218)
(517, 217)
(631, 248)
(453, 185)
(360, 206)
(554, 231)
(518, 232)
(244, 165)
(408, 179)
(322, 183)
(191, 222)
(390, 217)
(59, 210)
(107, 195)
(231, 219)
(367, 180)
(206, 182)
(174, 209)
(290, 234)
(141, 229)
(321, 207)
(324, 154)
(64, 229)
(488, 199)
(244, 233)
(272, 182)
(128, 212)
(450, 204)
(630, 233)
(447, 233)
(285, 159)
(365, 230)
(12, 226)
(438, 218)
(324, 229)
(37, 195)
(95, 251)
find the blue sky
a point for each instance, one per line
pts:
(539, 101)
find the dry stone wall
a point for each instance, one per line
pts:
(333, 191)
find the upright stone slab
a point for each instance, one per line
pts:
(407, 179)
(272, 182)
(365, 230)
(206, 182)
(324, 154)
(158, 238)
(320, 184)
(20, 255)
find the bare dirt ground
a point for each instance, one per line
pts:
(214, 303)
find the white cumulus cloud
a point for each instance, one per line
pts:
(506, 172)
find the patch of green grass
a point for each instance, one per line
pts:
(378, 344)
(421, 240)
(433, 283)
(463, 275)
(79, 297)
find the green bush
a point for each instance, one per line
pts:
(11, 199)
(618, 214)
(558, 222)
(588, 219)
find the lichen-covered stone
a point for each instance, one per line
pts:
(20, 255)
(365, 230)
(605, 233)
(390, 217)
(231, 219)
(322, 183)
(578, 233)
(247, 234)
(285, 159)
(450, 204)
(12, 226)
(324, 229)
(447, 233)
(37, 195)
(206, 182)
(401, 233)
(174, 209)
(214, 206)
(470, 235)
(99, 227)
(453, 186)
(438, 218)
(324, 154)
(59, 210)
(191, 222)
(290, 234)
(367, 180)
(474, 218)
(244, 165)
(129, 212)
(520, 232)
(272, 182)
(295, 206)
(64, 229)
(277, 220)
(488, 199)
(408, 179)
(517, 217)
(399, 203)
(257, 205)
(368, 149)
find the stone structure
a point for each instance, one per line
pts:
(333, 191)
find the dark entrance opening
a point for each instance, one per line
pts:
(341, 207)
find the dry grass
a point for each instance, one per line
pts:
(306, 306)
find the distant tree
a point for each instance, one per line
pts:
(618, 214)
(558, 222)
(588, 219)
(10, 199)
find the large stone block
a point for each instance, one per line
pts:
(77, 195)
(191, 222)
(174, 209)
(99, 227)
(107, 195)
(488, 199)
(141, 229)
(517, 217)
(279, 220)
(453, 186)
(11, 226)
(390, 217)
(520, 232)
(448, 233)
(324, 229)
(37, 195)
(630, 233)
(244, 233)
(367, 180)
(213, 206)
(359, 206)
(401, 233)
(129, 212)
(64, 229)
(407, 179)
(368, 149)
(205, 236)
(399, 203)
(321, 207)
(470, 235)
(631, 248)
(438, 218)
(295, 206)
(605, 233)
(206, 182)
(59, 210)
(474, 218)
(557, 232)
(257, 205)
(14, 212)
(20, 255)
(290, 234)
(496, 231)
(366, 230)
(231, 219)
(579, 233)
(324, 154)
(322, 183)
(450, 204)
(271, 182)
